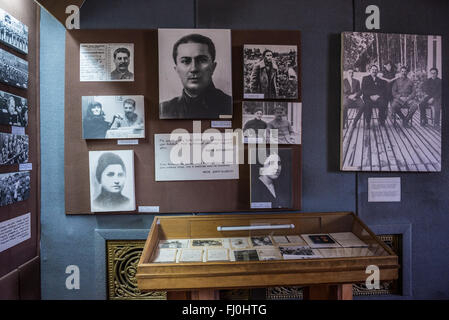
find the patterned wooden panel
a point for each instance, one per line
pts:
(122, 259)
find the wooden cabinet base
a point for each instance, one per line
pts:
(203, 294)
(326, 292)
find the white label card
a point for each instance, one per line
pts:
(18, 130)
(151, 209)
(127, 142)
(221, 124)
(384, 189)
(15, 231)
(25, 167)
(260, 205)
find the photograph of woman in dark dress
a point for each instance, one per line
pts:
(94, 124)
(271, 181)
(110, 174)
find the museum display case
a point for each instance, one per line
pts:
(283, 250)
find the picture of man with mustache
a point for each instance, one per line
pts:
(121, 61)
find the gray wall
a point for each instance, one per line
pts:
(421, 217)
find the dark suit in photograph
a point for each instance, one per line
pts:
(371, 87)
(350, 88)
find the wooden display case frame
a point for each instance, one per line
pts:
(251, 274)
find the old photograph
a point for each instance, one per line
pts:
(14, 187)
(270, 71)
(14, 148)
(246, 255)
(206, 243)
(271, 122)
(113, 117)
(13, 70)
(13, 110)
(269, 254)
(261, 241)
(13, 33)
(299, 252)
(322, 240)
(175, 243)
(107, 62)
(195, 74)
(271, 180)
(239, 243)
(112, 181)
(391, 102)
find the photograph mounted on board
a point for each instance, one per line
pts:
(391, 102)
(13, 70)
(14, 148)
(275, 122)
(13, 110)
(270, 71)
(13, 33)
(271, 180)
(14, 187)
(195, 74)
(113, 117)
(107, 62)
(112, 181)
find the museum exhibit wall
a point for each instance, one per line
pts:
(19, 254)
(421, 217)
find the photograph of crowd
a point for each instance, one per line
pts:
(13, 32)
(271, 122)
(13, 148)
(270, 72)
(13, 70)
(14, 187)
(391, 102)
(13, 110)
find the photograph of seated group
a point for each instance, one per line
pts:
(391, 102)
(150, 132)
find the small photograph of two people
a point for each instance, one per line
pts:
(271, 179)
(113, 117)
(112, 181)
(13, 110)
(14, 148)
(270, 71)
(271, 122)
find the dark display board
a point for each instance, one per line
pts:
(171, 197)
(16, 257)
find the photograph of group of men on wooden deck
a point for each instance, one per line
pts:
(391, 102)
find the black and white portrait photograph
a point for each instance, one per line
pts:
(271, 180)
(13, 70)
(270, 71)
(13, 33)
(14, 187)
(271, 122)
(174, 243)
(246, 255)
(195, 74)
(113, 117)
(13, 110)
(112, 181)
(391, 102)
(261, 241)
(107, 62)
(14, 148)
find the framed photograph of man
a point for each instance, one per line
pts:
(107, 62)
(112, 181)
(270, 71)
(13, 70)
(14, 187)
(271, 180)
(195, 74)
(13, 33)
(13, 110)
(14, 148)
(268, 121)
(391, 101)
(113, 117)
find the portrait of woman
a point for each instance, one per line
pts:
(94, 124)
(271, 180)
(112, 181)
